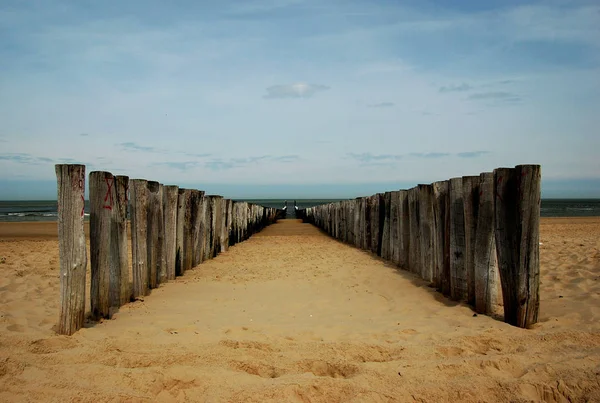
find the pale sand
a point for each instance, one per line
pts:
(292, 315)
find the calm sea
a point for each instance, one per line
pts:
(45, 210)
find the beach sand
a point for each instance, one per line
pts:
(293, 315)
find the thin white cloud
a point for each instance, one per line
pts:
(298, 90)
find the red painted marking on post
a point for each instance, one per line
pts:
(108, 197)
(83, 208)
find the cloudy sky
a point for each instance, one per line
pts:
(331, 98)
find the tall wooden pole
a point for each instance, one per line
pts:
(183, 220)
(427, 245)
(170, 200)
(120, 285)
(71, 246)
(471, 210)
(414, 254)
(485, 263)
(442, 234)
(458, 270)
(517, 212)
(154, 248)
(102, 196)
(139, 235)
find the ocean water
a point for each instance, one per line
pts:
(45, 210)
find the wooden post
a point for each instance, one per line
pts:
(155, 234)
(139, 235)
(404, 241)
(223, 233)
(191, 236)
(350, 223)
(394, 214)
(442, 236)
(183, 220)
(414, 253)
(210, 230)
(471, 210)
(358, 227)
(458, 270)
(102, 196)
(517, 212)
(71, 246)
(120, 287)
(170, 200)
(366, 224)
(426, 233)
(487, 278)
(386, 238)
(229, 226)
(196, 221)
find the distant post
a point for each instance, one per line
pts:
(102, 196)
(517, 211)
(71, 246)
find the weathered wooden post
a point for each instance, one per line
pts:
(183, 229)
(209, 232)
(216, 209)
(170, 208)
(139, 235)
(71, 246)
(386, 237)
(426, 233)
(366, 223)
(102, 196)
(458, 270)
(517, 212)
(120, 287)
(223, 232)
(414, 252)
(358, 227)
(350, 223)
(470, 186)
(394, 248)
(441, 231)
(487, 278)
(404, 241)
(196, 227)
(155, 234)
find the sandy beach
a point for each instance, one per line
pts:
(293, 315)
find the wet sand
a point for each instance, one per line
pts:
(293, 315)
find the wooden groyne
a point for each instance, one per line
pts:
(474, 238)
(172, 230)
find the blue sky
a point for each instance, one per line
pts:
(331, 98)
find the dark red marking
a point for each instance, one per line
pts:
(83, 208)
(108, 196)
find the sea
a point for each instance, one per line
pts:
(45, 210)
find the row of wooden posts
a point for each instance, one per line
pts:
(172, 230)
(474, 238)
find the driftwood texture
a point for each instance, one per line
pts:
(517, 211)
(139, 235)
(102, 196)
(71, 246)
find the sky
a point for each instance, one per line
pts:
(299, 98)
